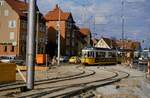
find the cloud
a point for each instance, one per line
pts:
(107, 13)
(100, 20)
(135, 0)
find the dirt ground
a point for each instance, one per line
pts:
(126, 88)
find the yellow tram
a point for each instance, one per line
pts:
(101, 56)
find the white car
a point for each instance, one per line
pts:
(6, 59)
(143, 61)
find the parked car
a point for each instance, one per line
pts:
(143, 61)
(74, 59)
(19, 61)
(6, 59)
(64, 59)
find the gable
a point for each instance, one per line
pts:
(102, 44)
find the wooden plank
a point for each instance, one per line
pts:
(7, 72)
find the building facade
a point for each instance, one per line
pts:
(58, 20)
(86, 34)
(13, 28)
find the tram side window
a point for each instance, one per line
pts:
(114, 54)
(92, 55)
(101, 54)
(111, 54)
(88, 54)
(97, 54)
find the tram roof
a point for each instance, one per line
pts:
(108, 49)
(96, 48)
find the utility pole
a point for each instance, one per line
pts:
(122, 26)
(58, 52)
(30, 54)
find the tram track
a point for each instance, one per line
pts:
(51, 80)
(94, 85)
(68, 87)
(13, 86)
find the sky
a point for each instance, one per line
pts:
(103, 17)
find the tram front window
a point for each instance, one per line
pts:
(88, 54)
(84, 54)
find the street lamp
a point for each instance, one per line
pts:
(122, 17)
(58, 52)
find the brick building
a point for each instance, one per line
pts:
(86, 33)
(68, 43)
(13, 28)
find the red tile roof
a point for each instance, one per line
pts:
(129, 44)
(85, 31)
(19, 6)
(95, 41)
(54, 15)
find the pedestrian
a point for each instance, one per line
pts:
(50, 62)
(148, 69)
(54, 60)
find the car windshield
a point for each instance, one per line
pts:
(5, 57)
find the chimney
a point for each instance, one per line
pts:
(57, 6)
(25, 1)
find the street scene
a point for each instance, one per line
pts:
(74, 49)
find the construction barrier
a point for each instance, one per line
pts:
(7, 72)
(40, 58)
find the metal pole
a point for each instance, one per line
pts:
(37, 31)
(30, 55)
(58, 57)
(122, 16)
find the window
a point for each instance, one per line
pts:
(69, 25)
(100, 54)
(1, 2)
(6, 13)
(5, 48)
(12, 48)
(58, 25)
(67, 41)
(12, 24)
(42, 28)
(73, 43)
(24, 24)
(73, 35)
(68, 34)
(12, 36)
